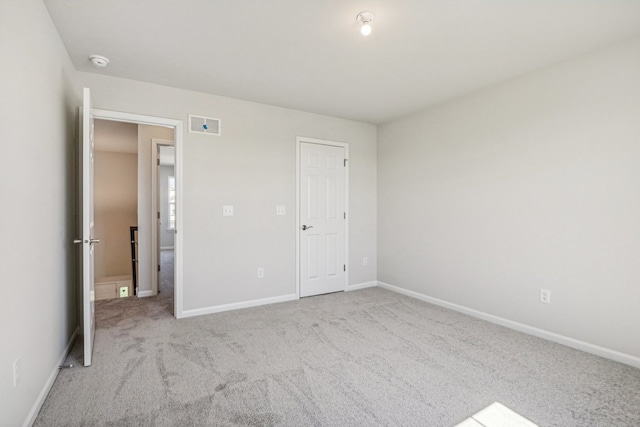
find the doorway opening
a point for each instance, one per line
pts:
(86, 190)
(149, 128)
(126, 188)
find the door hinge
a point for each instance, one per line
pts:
(344, 267)
(158, 215)
(158, 267)
(158, 162)
(345, 215)
(345, 162)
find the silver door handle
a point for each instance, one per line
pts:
(92, 241)
(304, 227)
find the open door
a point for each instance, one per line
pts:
(88, 298)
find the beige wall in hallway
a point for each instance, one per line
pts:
(115, 210)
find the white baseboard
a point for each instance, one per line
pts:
(35, 409)
(166, 248)
(142, 294)
(607, 353)
(238, 305)
(361, 286)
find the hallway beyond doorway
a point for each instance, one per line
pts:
(114, 312)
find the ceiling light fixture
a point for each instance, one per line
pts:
(365, 18)
(99, 60)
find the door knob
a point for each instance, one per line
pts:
(91, 241)
(304, 227)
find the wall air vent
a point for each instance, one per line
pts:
(206, 125)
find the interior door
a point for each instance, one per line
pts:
(88, 298)
(156, 206)
(322, 219)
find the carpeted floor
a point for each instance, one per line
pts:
(369, 358)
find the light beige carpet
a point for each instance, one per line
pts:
(369, 358)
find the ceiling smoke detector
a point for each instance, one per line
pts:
(99, 60)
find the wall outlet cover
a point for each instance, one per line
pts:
(124, 291)
(545, 296)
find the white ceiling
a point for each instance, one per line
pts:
(309, 54)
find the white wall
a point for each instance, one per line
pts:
(252, 167)
(38, 125)
(115, 210)
(526, 185)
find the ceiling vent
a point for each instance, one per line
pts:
(206, 125)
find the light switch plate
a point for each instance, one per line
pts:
(227, 210)
(280, 210)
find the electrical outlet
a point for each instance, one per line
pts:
(365, 261)
(124, 291)
(545, 296)
(260, 273)
(227, 210)
(16, 372)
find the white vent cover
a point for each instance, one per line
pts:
(207, 125)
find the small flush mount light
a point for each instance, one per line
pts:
(99, 60)
(365, 18)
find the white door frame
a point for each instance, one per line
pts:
(155, 202)
(299, 141)
(177, 125)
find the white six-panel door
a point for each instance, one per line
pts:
(322, 217)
